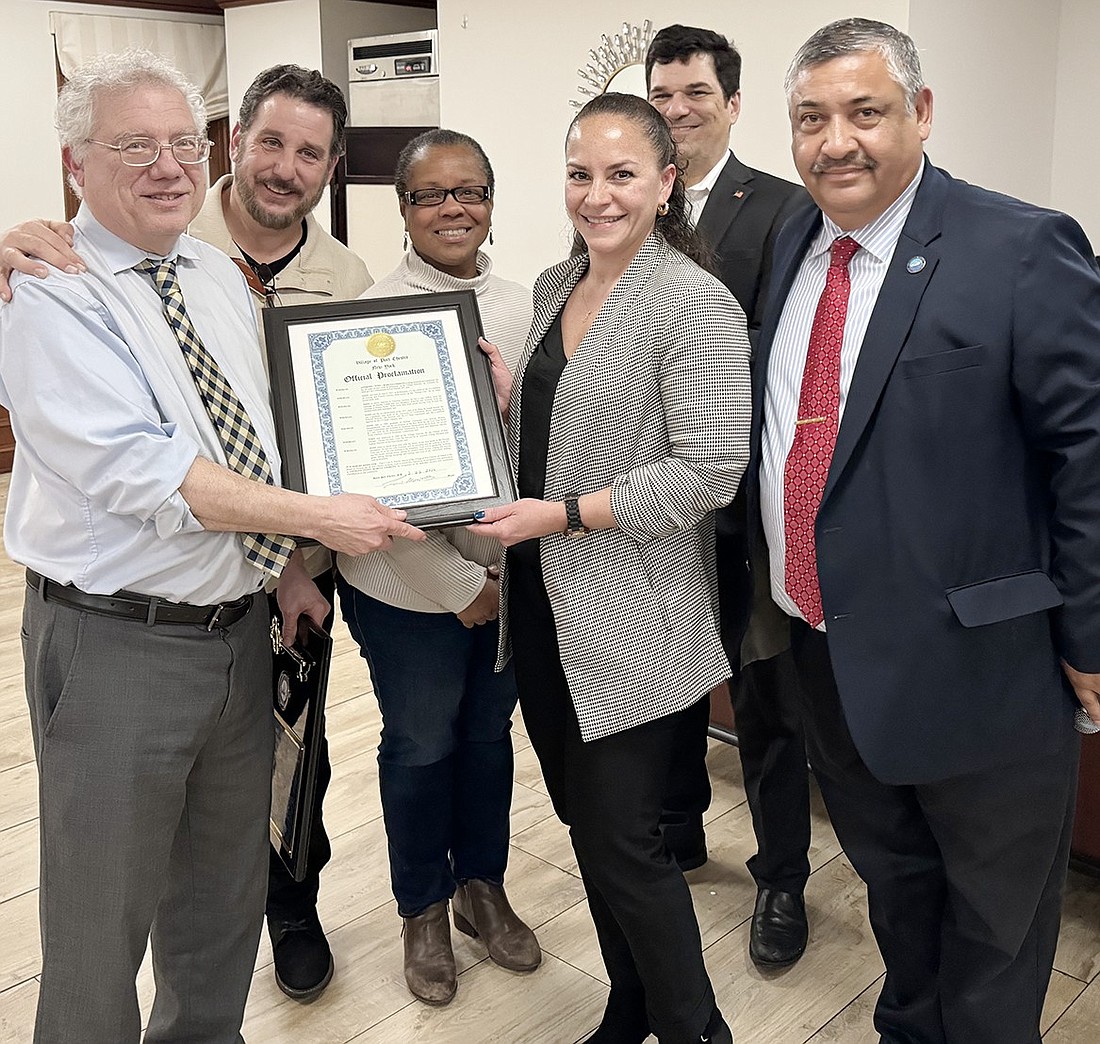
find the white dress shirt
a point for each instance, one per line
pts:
(787, 361)
(699, 193)
(108, 421)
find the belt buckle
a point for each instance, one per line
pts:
(214, 617)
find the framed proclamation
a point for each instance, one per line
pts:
(391, 397)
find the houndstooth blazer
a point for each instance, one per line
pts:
(655, 404)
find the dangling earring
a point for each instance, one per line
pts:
(405, 245)
(490, 235)
(662, 209)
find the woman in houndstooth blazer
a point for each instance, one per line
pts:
(628, 422)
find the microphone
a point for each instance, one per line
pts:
(1084, 724)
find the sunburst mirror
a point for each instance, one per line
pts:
(618, 64)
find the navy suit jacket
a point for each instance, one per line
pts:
(959, 532)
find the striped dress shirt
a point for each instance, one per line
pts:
(787, 361)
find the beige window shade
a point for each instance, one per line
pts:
(197, 49)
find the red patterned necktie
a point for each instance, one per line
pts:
(815, 434)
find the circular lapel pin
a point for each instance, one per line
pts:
(915, 264)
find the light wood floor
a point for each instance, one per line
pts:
(826, 997)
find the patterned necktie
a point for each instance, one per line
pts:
(815, 434)
(243, 452)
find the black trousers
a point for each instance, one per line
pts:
(767, 717)
(773, 764)
(610, 792)
(964, 877)
(688, 792)
(287, 899)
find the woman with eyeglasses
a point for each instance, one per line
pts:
(425, 616)
(628, 425)
(425, 620)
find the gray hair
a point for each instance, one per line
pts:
(76, 102)
(852, 36)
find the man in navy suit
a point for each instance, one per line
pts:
(942, 568)
(694, 80)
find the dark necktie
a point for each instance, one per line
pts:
(243, 452)
(815, 431)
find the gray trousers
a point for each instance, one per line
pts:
(154, 749)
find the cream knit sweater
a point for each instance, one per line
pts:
(444, 573)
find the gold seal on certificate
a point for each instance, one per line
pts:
(390, 397)
(381, 345)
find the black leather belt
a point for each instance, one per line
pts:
(131, 606)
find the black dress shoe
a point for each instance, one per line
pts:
(303, 960)
(779, 929)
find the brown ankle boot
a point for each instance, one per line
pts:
(481, 909)
(429, 962)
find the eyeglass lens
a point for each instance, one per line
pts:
(432, 197)
(144, 152)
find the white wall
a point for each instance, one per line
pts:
(992, 66)
(1075, 182)
(1013, 81)
(510, 71)
(30, 168)
(261, 35)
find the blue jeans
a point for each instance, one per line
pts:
(445, 758)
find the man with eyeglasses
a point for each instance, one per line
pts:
(142, 503)
(289, 136)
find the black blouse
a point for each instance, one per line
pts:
(540, 382)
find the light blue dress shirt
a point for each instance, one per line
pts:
(108, 421)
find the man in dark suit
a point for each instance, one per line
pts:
(926, 443)
(693, 77)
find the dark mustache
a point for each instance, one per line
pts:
(847, 163)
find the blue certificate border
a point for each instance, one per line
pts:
(294, 401)
(319, 343)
